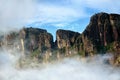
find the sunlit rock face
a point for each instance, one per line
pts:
(66, 41)
(28, 39)
(103, 29)
(35, 38)
(102, 35)
(66, 38)
(115, 22)
(103, 32)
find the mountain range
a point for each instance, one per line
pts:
(101, 36)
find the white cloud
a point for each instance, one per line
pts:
(53, 13)
(16, 14)
(104, 5)
(67, 69)
(101, 5)
(60, 25)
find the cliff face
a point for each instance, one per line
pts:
(66, 41)
(103, 29)
(34, 38)
(101, 35)
(66, 38)
(28, 39)
(103, 32)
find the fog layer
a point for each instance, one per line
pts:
(66, 69)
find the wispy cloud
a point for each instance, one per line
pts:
(75, 9)
(15, 13)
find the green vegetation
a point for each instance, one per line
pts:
(104, 49)
(62, 50)
(35, 53)
(81, 53)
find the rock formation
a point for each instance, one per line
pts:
(101, 35)
(103, 29)
(103, 32)
(66, 39)
(28, 40)
(35, 38)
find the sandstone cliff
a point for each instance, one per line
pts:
(102, 35)
(28, 40)
(66, 38)
(34, 38)
(103, 29)
(103, 32)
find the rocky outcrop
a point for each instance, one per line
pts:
(66, 38)
(103, 29)
(28, 39)
(101, 35)
(34, 38)
(66, 41)
(103, 32)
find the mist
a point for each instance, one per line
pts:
(75, 68)
(15, 14)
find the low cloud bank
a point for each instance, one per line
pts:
(66, 69)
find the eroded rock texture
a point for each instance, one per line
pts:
(103, 29)
(28, 39)
(102, 35)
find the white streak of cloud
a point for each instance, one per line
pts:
(16, 14)
(50, 13)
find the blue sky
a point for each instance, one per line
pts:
(52, 14)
